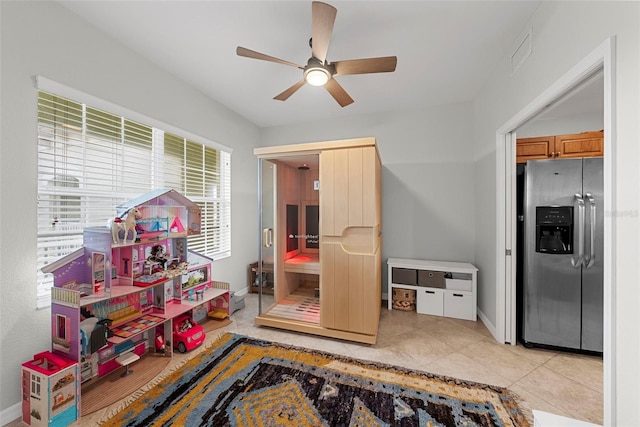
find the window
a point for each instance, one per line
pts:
(35, 385)
(91, 160)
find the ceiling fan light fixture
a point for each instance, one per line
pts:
(316, 76)
(319, 71)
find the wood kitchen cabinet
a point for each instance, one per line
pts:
(585, 144)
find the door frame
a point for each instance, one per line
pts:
(602, 58)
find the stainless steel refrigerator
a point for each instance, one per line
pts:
(563, 247)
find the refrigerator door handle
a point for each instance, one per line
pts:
(591, 256)
(579, 201)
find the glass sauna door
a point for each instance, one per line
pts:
(289, 268)
(265, 276)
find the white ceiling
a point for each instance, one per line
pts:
(446, 49)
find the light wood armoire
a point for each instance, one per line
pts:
(320, 228)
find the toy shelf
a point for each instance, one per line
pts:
(437, 288)
(175, 309)
(208, 295)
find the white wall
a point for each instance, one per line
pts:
(439, 175)
(43, 38)
(427, 178)
(562, 125)
(563, 34)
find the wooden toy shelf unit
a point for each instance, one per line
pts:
(114, 299)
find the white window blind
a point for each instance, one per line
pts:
(91, 160)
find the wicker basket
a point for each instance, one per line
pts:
(404, 299)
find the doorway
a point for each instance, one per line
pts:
(600, 60)
(570, 127)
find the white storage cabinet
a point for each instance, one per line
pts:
(443, 288)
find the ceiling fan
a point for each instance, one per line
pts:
(319, 71)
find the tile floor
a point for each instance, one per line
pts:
(556, 382)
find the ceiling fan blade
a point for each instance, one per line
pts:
(322, 18)
(248, 53)
(287, 93)
(384, 64)
(338, 93)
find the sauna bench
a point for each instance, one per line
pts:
(303, 263)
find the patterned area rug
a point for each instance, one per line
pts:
(241, 381)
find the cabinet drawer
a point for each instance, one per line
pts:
(430, 301)
(459, 305)
(459, 285)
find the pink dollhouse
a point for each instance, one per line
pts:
(114, 299)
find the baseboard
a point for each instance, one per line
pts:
(12, 413)
(490, 326)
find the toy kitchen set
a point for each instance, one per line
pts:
(116, 298)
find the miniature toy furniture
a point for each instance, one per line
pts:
(441, 288)
(126, 359)
(131, 314)
(50, 390)
(187, 334)
(321, 232)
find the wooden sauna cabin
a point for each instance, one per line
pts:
(320, 225)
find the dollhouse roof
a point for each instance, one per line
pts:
(159, 197)
(63, 261)
(196, 258)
